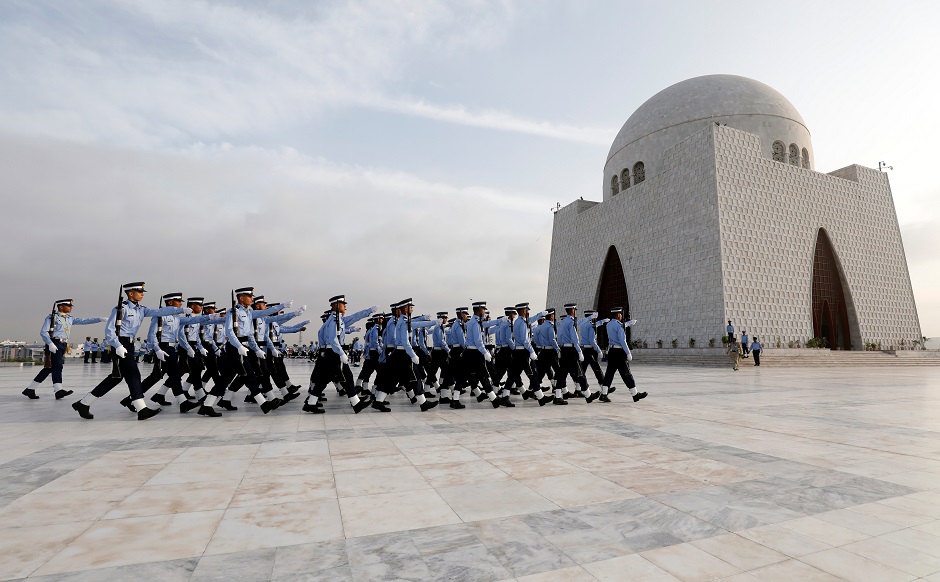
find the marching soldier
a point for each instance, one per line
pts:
(548, 353)
(190, 335)
(276, 351)
(404, 361)
(439, 353)
(55, 332)
(119, 334)
(372, 350)
(571, 356)
(207, 334)
(476, 356)
(504, 348)
(588, 325)
(619, 356)
(523, 354)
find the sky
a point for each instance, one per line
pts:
(388, 149)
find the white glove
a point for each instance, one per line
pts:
(580, 356)
(190, 352)
(275, 353)
(289, 304)
(630, 323)
(161, 355)
(533, 356)
(242, 351)
(486, 356)
(52, 348)
(373, 309)
(541, 314)
(593, 317)
(415, 359)
(630, 357)
(303, 308)
(344, 358)
(534, 325)
(187, 311)
(203, 351)
(121, 351)
(260, 354)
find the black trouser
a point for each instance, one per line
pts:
(501, 362)
(404, 372)
(211, 362)
(421, 368)
(330, 368)
(519, 364)
(233, 369)
(279, 372)
(57, 361)
(129, 372)
(474, 365)
(458, 367)
(369, 366)
(590, 359)
(756, 357)
(744, 350)
(439, 362)
(490, 366)
(547, 362)
(617, 362)
(195, 366)
(252, 371)
(570, 365)
(105, 356)
(169, 368)
(87, 355)
(94, 356)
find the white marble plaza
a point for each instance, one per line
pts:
(762, 474)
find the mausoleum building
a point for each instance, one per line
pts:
(713, 210)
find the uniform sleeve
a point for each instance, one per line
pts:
(44, 331)
(110, 337)
(402, 339)
(284, 316)
(152, 333)
(86, 320)
(294, 328)
(350, 319)
(230, 330)
(267, 311)
(149, 312)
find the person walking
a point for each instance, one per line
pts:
(756, 349)
(745, 342)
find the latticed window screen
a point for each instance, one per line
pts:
(830, 316)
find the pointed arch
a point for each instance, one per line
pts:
(612, 288)
(833, 312)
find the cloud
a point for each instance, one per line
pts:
(156, 74)
(86, 218)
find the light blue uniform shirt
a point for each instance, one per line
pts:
(372, 338)
(568, 333)
(134, 314)
(617, 335)
(244, 317)
(475, 331)
(588, 329)
(756, 346)
(504, 333)
(456, 336)
(520, 335)
(544, 336)
(401, 337)
(63, 326)
(172, 328)
(439, 339)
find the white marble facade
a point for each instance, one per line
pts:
(720, 230)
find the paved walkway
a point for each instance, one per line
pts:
(763, 474)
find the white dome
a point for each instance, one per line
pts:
(687, 107)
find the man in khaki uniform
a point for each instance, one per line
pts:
(733, 353)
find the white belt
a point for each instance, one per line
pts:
(522, 348)
(399, 347)
(456, 346)
(567, 345)
(616, 347)
(504, 346)
(440, 349)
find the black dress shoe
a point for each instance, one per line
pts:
(578, 394)
(381, 406)
(565, 395)
(444, 400)
(604, 398)
(321, 399)
(268, 406)
(457, 405)
(312, 408)
(31, 394)
(428, 405)
(413, 400)
(208, 411)
(505, 401)
(341, 392)
(546, 400)
(291, 396)
(362, 405)
(639, 396)
(60, 394)
(126, 403)
(612, 389)
(560, 402)
(188, 405)
(83, 410)
(226, 405)
(496, 403)
(514, 391)
(146, 412)
(527, 394)
(482, 397)
(293, 389)
(160, 399)
(249, 399)
(592, 397)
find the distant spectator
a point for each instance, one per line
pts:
(745, 341)
(734, 353)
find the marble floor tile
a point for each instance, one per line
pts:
(230, 470)
(169, 571)
(279, 489)
(452, 474)
(292, 465)
(572, 574)
(578, 489)
(121, 542)
(584, 546)
(824, 531)
(467, 564)
(531, 468)
(276, 450)
(793, 570)
(381, 480)
(634, 568)
(784, 540)
(740, 552)
(57, 507)
(107, 477)
(849, 566)
(432, 455)
(388, 512)
(217, 453)
(903, 519)
(24, 549)
(859, 522)
(915, 540)
(652, 480)
(689, 563)
(306, 561)
(895, 556)
(269, 526)
(175, 498)
(249, 565)
(358, 463)
(494, 499)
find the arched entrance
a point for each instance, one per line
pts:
(612, 291)
(830, 308)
